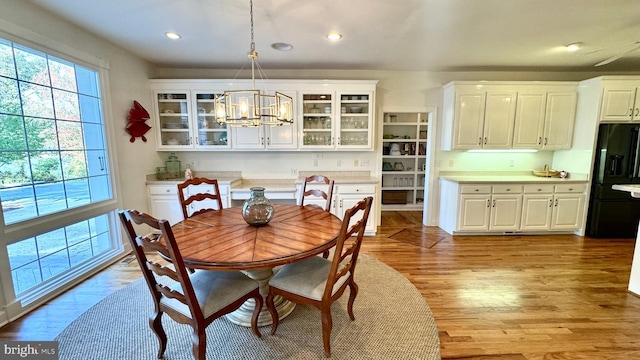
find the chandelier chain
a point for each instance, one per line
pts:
(253, 44)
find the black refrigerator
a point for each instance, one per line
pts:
(613, 213)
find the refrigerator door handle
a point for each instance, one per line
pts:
(636, 152)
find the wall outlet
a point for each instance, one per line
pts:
(294, 172)
(364, 162)
(355, 162)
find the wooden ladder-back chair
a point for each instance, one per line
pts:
(196, 299)
(315, 180)
(309, 182)
(208, 199)
(320, 282)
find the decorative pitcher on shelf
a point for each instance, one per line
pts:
(257, 209)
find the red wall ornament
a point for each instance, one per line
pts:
(137, 126)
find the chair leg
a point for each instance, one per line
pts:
(199, 344)
(327, 325)
(274, 313)
(155, 322)
(353, 292)
(256, 314)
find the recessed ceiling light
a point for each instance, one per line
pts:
(334, 36)
(282, 46)
(172, 35)
(574, 46)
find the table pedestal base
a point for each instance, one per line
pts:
(242, 316)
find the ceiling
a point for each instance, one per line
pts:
(425, 35)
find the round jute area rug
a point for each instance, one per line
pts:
(392, 322)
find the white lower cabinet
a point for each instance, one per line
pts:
(164, 202)
(347, 196)
(498, 209)
(516, 207)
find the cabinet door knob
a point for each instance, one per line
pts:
(480, 141)
(167, 190)
(545, 141)
(540, 140)
(488, 203)
(550, 202)
(630, 112)
(485, 140)
(556, 204)
(494, 203)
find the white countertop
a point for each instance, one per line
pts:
(634, 189)
(240, 184)
(508, 177)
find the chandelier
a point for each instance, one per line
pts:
(251, 108)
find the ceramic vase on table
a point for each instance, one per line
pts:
(257, 209)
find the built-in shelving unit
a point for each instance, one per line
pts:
(404, 147)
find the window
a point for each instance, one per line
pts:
(52, 145)
(53, 158)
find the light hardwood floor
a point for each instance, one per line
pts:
(493, 297)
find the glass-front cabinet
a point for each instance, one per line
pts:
(317, 121)
(174, 128)
(336, 120)
(329, 115)
(354, 127)
(210, 135)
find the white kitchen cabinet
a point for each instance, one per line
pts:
(559, 120)
(164, 202)
(568, 205)
(403, 173)
(511, 207)
(340, 120)
(174, 127)
(348, 195)
(478, 118)
(537, 206)
(183, 124)
(545, 118)
(490, 208)
(265, 137)
(620, 101)
(475, 212)
(209, 135)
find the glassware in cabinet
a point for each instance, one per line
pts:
(210, 135)
(317, 120)
(173, 119)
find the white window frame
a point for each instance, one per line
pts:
(10, 306)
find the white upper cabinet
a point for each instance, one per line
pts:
(340, 120)
(479, 118)
(545, 118)
(620, 101)
(329, 115)
(506, 115)
(559, 120)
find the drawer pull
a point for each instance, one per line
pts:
(539, 189)
(476, 190)
(508, 189)
(570, 189)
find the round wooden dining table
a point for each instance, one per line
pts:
(221, 240)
